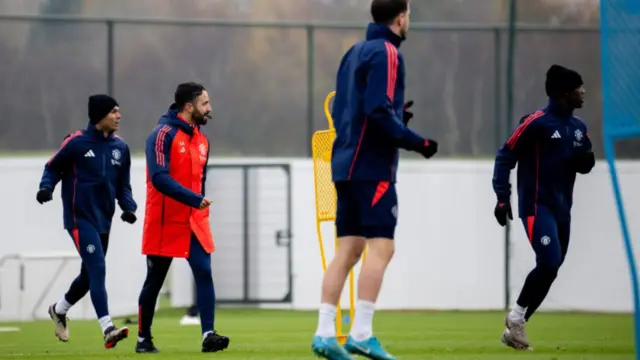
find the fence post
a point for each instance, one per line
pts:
(110, 59)
(310, 84)
(497, 99)
(510, 60)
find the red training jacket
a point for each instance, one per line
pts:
(177, 154)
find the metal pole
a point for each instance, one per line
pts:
(497, 99)
(110, 60)
(510, 60)
(289, 297)
(245, 233)
(310, 86)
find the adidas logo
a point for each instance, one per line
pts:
(90, 154)
(556, 135)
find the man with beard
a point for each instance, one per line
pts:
(371, 120)
(176, 223)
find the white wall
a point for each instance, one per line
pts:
(449, 255)
(31, 228)
(450, 249)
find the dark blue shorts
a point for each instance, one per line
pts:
(366, 208)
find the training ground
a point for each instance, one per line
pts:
(278, 334)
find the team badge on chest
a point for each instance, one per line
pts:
(115, 157)
(203, 152)
(579, 136)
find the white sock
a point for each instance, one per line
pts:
(363, 321)
(204, 336)
(517, 312)
(62, 306)
(105, 322)
(326, 321)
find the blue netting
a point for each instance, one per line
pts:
(620, 30)
(620, 47)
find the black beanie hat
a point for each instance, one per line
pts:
(99, 106)
(561, 81)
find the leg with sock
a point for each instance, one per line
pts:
(542, 231)
(327, 320)
(58, 311)
(80, 285)
(78, 289)
(200, 263)
(361, 340)
(157, 269)
(347, 255)
(547, 274)
(350, 245)
(89, 244)
(92, 254)
(549, 263)
(380, 252)
(379, 219)
(325, 344)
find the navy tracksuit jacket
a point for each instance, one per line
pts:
(543, 145)
(95, 172)
(368, 110)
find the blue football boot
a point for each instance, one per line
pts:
(329, 348)
(369, 348)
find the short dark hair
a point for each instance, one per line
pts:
(385, 11)
(187, 93)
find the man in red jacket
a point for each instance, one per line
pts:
(176, 222)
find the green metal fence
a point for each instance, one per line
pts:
(426, 46)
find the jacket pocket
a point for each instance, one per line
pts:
(175, 212)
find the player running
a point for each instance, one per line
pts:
(370, 122)
(176, 222)
(551, 146)
(94, 166)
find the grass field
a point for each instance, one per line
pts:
(277, 334)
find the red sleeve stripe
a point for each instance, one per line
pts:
(64, 143)
(162, 134)
(511, 143)
(392, 69)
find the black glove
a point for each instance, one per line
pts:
(584, 162)
(406, 114)
(430, 148)
(502, 211)
(128, 216)
(44, 195)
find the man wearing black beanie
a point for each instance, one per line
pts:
(94, 166)
(551, 146)
(104, 113)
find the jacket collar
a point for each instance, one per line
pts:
(379, 31)
(560, 110)
(171, 117)
(98, 134)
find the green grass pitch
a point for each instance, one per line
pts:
(278, 334)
